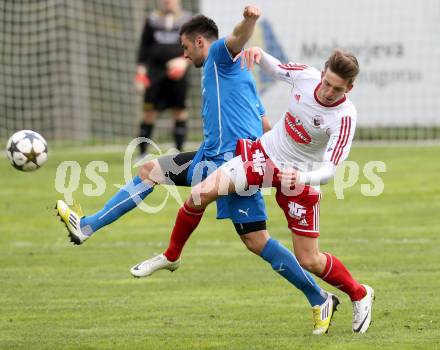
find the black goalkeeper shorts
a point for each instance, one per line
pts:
(165, 94)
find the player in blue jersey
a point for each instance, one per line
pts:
(231, 110)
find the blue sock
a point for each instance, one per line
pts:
(127, 198)
(285, 263)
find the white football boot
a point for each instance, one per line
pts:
(362, 311)
(323, 314)
(150, 266)
(72, 222)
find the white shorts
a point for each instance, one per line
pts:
(235, 170)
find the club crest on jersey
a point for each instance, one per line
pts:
(296, 130)
(318, 121)
(297, 97)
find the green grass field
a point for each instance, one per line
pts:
(54, 295)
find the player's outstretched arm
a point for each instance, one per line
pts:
(271, 65)
(257, 55)
(244, 30)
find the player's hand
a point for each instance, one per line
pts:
(288, 177)
(251, 12)
(249, 57)
(176, 68)
(141, 79)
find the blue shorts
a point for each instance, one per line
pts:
(240, 209)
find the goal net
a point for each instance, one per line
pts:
(67, 68)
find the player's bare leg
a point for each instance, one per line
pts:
(188, 218)
(215, 185)
(259, 242)
(255, 241)
(307, 252)
(150, 116)
(151, 173)
(331, 270)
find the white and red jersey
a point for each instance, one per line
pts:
(311, 137)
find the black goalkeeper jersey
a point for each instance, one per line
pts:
(160, 41)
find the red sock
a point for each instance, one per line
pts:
(186, 222)
(336, 274)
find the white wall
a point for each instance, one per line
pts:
(397, 43)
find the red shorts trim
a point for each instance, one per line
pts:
(311, 234)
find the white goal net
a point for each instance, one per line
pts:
(67, 68)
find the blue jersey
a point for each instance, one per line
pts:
(231, 108)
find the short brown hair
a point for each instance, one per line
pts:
(344, 64)
(200, 25)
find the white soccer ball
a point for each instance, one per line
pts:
(26, 150)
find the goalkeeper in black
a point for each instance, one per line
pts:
(162, 71)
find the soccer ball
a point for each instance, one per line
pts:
(26, 150)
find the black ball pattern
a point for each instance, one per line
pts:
(27, 150)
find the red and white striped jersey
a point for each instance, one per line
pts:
(310, 134)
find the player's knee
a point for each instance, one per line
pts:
(254, 235)
(147, 171)
(180, 115)
(150, 116)
(253, 245)
(310, 262)
(199, 198)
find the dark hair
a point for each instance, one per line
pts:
(200, 25)
(344, 64)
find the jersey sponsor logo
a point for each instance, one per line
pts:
(258, 162)
(296, 210)
(296, 130)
